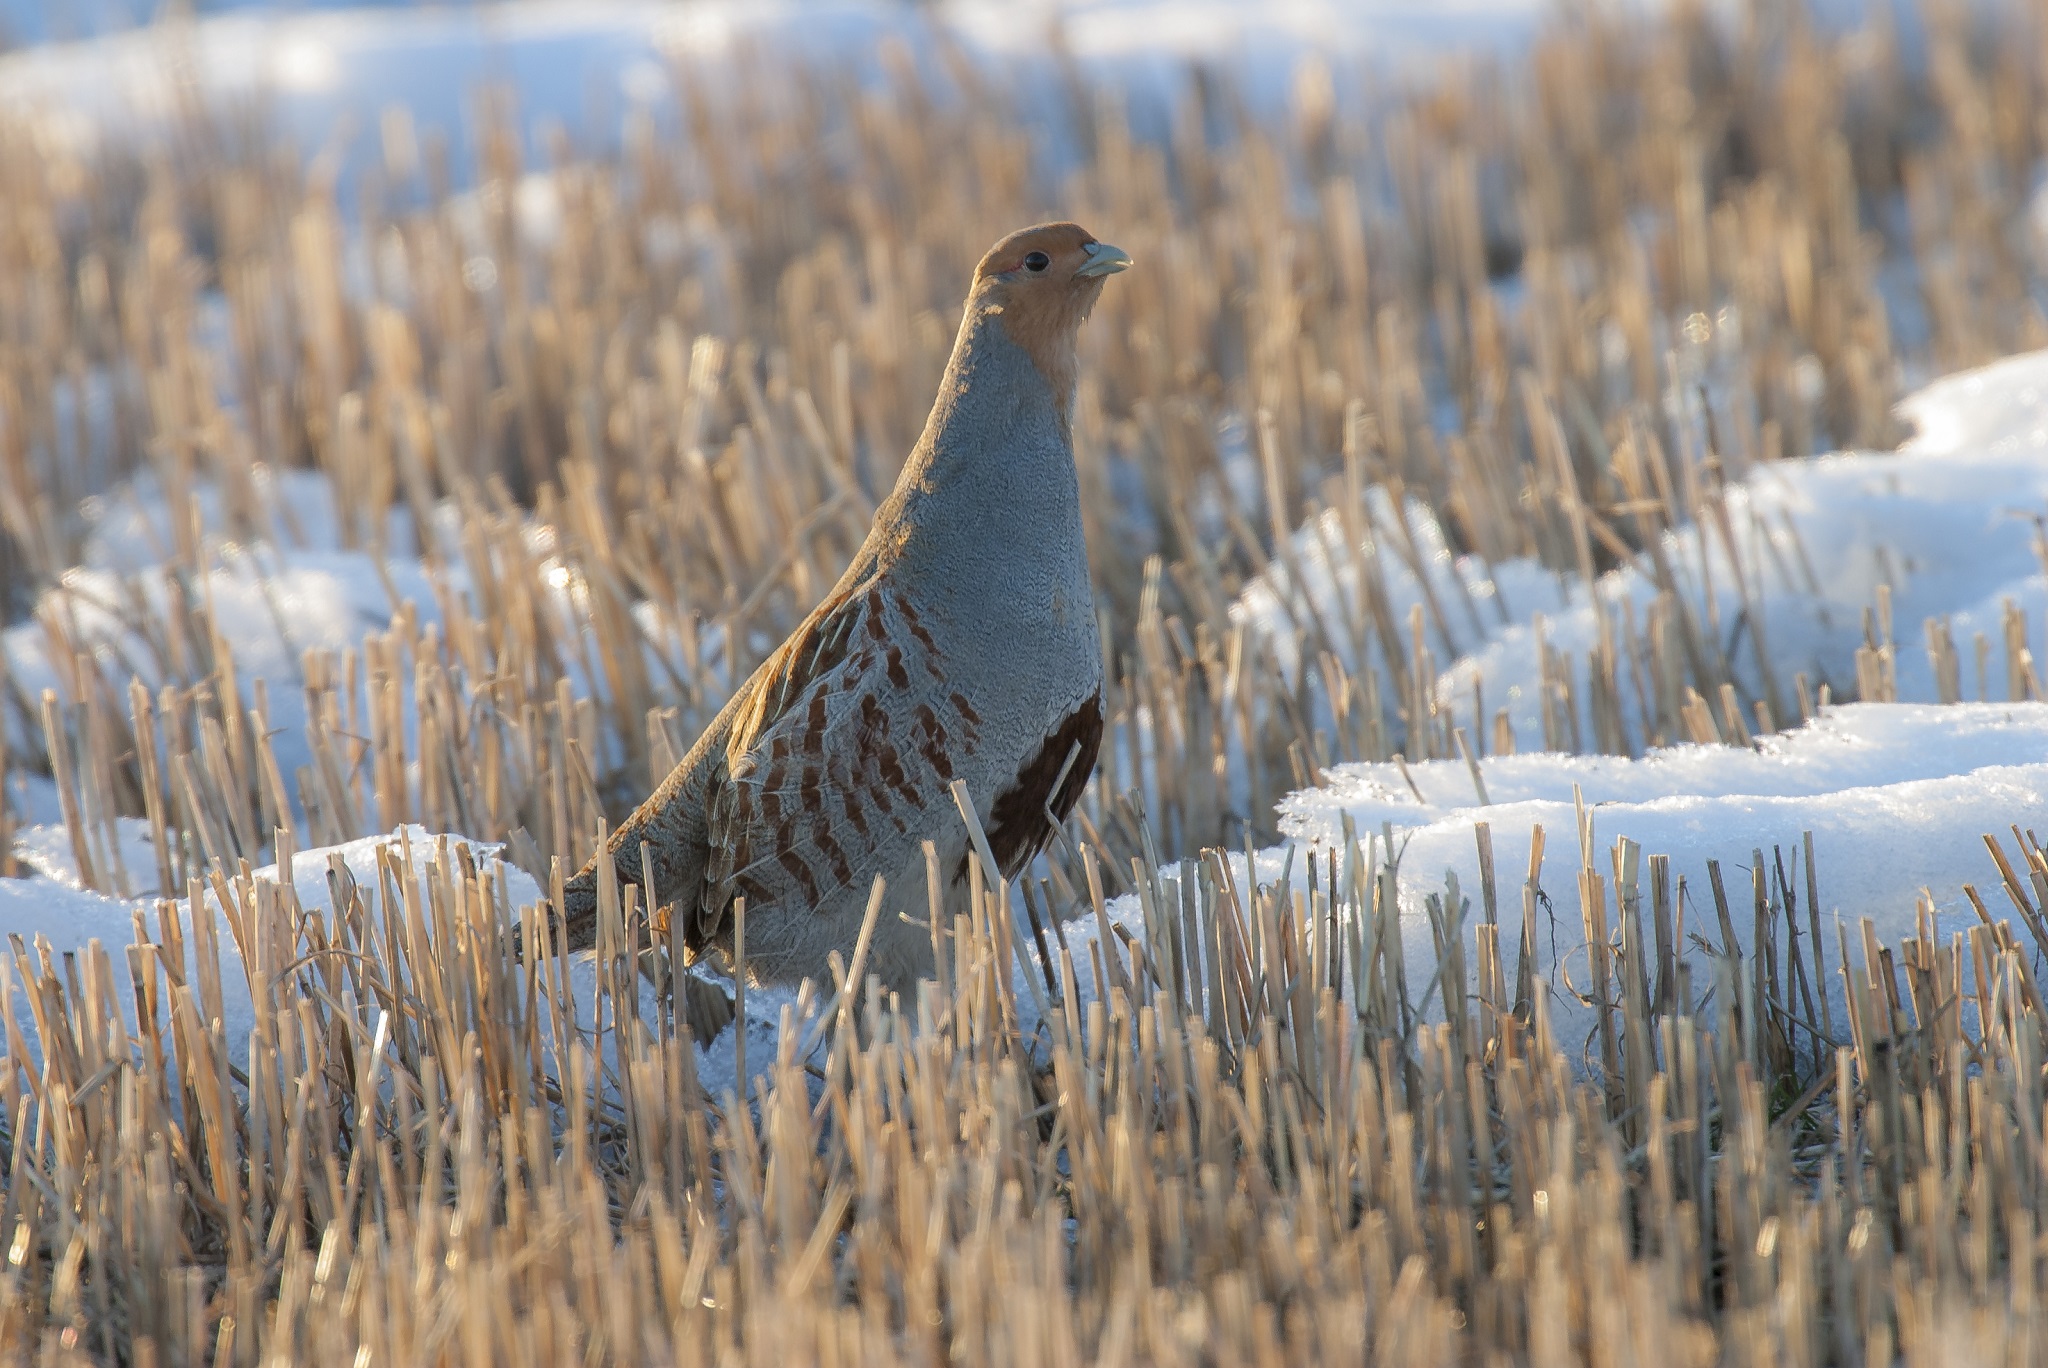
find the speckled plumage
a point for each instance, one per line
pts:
(960, 644)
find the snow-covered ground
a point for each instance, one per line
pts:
(1200, 26)
(1897, 796)
(282, 579)
(54, 908)
(1951, 525)
(324, 75)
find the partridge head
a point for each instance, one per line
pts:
(960, 645)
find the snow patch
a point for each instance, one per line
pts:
(1898, 798)
(55, 910)
(1951, 525)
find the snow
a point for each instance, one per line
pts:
(45, 848)
(716, 1061)
(54, 908)
(1407, 547)
(68, 916)
(1950, 524)
(1898, 798)
(270, 603)
(134, 527)
(284, 575)
(1201, 28)
(324, 76)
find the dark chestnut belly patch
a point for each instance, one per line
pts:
(1017, 826)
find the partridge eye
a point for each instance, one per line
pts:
(1035, 262)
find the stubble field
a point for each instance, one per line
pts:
(1451, 419)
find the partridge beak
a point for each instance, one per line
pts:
(1103, 260)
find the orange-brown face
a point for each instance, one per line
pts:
(1044, 280)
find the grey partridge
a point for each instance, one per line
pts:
(960, 644)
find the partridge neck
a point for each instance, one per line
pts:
(994, 470)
